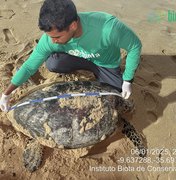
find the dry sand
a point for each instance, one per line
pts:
(154, 93)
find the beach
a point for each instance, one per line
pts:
(154, 95)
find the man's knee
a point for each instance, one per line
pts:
(51, 66)
(54, 64)
(55, 68)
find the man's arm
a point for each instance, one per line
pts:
(40, 53)
(10, 89)
(129, 41)
(36, 59)
(123, 37)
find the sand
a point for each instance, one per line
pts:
(154, 94)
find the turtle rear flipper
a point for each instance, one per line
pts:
(131, 133)
(32, 155)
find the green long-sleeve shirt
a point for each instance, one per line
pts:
(103, 36)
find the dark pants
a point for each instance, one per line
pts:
(65, 63)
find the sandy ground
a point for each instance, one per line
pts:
(154, 94)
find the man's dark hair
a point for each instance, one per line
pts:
(57, 14)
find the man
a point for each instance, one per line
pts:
(89, 41)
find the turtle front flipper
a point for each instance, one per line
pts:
(132, 134)
(124, 106)
(32, 156)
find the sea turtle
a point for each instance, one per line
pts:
(70, 122)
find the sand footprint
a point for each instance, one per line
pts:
(155, 86)
(151, 103)
(6, 14)
(157, 76)
(149, 100)
(151, 115)
(9, 37)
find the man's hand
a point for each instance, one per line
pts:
(126, 89)
(4, 102)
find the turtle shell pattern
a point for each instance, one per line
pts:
(69, 122)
